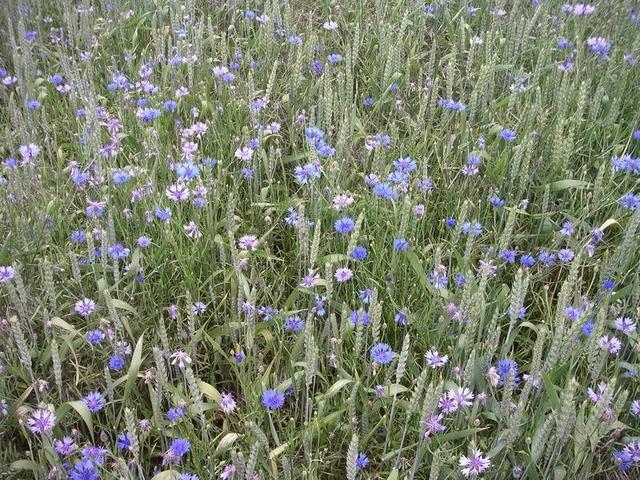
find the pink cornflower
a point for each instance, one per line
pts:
(248, 242)
(85, 307)
(475, 464)
(435, 360)
(343, 274)
(227, 403)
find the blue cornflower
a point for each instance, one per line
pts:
(162, 214)
(120, 177)
(94, 337)
(293, 324)
(307, 173)
(509, 256)
(149, 114)
(381, 353)
(527, 261)
(94, 401)
(118, 251)
(116, 362)
(547, 258)
(123, 441)
(84, 470)
(565, 255)
(344, 225)
(272, 399)
(599, 46)
(508, 135)
(334, 58)
(608, 284)
(402, 317)
(170, 105)
(505, 366)
(33, 104)
(362, 461)
(359, 253)
(496, 202)
(174, 414)
(385, 191)
(368, 102)
(587, 328)
(359, 316)
(450, 222)
(78, 237)
(629, 201)
(180, 447)
(400, 244)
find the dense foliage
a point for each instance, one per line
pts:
(319, 239)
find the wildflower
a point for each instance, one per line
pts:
(84, 470)
(435, 360)
(381, 353)
(507, 135)
(462, 396)
(344, 225)
(400, 244)
(433, 425)
(95, 337)
(362, 461)
(625, 325)
(401, 318)
(635, 408)
(123, 441)
(505, 367)
(612, 344)
(359, 253)
(447, 404)
(116, 362)
(343, 274)
(293, 324)
(629, 201)
(178, 449)
(227, 403)
(94, 401)
(599, 46)
(180, 358)
(118, 251)
(272, 399)
(228, 472)
(42, 421)
(248, 242)
(475, 464)
(85, 307)
(65, 447)
(178, 192)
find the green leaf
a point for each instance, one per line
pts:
(227, 441)
(277, 451)
(58, 322)
(209, 391)
(550, 391)
(393, 475)
(335, 388)
(167, 475)
(23, 465)
(134, 368)
(83, 411)
(566, 184)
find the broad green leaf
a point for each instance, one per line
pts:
(209, 391)
(226, 442)
(134, 368)
(83, 411)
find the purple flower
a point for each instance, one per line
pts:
(507, 135)
(94, 401)
(272, 399)
(85, 307)
(344, 225)
(42, 421)
(293, 324)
